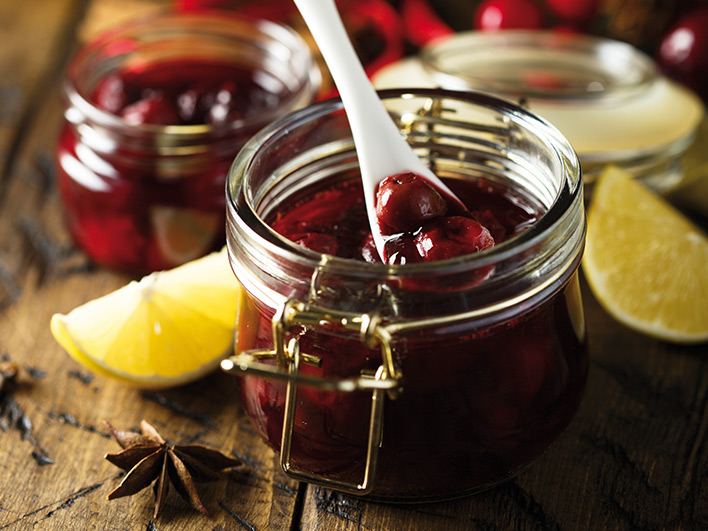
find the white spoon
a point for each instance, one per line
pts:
(380, 148)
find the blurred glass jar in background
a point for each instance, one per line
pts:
(605, 96)
(155, 112)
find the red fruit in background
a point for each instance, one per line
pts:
(683, 52)
(421, 22)
(445, 238)
(154, 109)
(405, 201)
(508, 14)
(188, 6)
(575, 11)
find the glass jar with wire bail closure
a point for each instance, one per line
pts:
(156, 109)
(419, 381)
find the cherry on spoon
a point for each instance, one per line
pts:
(380, 148)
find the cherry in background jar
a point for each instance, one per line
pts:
(155, 112)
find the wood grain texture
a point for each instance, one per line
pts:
(634, 458)
(53, 475)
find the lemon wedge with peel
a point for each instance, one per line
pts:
(169, 328)
(645, 262)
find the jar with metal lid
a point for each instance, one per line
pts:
(607, 97)
(418, 381)
(142, 186)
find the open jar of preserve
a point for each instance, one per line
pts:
(419, 381)
(607, 98)
(155, 112)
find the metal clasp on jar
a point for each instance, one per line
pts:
(386, 380)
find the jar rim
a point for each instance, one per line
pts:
(568, 197)
(543, 65)
(217, 25)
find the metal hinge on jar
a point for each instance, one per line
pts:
(386, 380)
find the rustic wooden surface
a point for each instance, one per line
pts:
(636, 456)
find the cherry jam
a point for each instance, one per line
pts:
(479, 402)
(156, 111)
(188, 92)
(485, 351)
(334, 221)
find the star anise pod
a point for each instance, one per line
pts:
(148, 457)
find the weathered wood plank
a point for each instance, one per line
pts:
(53, 475)
(34, 35)
(636, 456)
(65, 405)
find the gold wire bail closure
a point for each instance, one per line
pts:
(386, 380)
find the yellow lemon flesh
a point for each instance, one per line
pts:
(169, 328)
(645, 262)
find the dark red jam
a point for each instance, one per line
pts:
(140, 197)
(186, 92)
(481, 398)
(334, 221)
(419, 224)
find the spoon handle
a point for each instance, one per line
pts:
(386, 150)
(381, 149)
(368, 119)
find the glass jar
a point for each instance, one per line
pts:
(420, 381)
(605, 96)
(144, 196)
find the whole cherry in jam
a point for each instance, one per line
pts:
(333, 221)
(412, 217)
(111, 94)
(184, 93)
(448, 237)
(405, 201)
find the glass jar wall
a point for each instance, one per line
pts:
(143, 188)
(419, 381)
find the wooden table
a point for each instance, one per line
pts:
(635, 457)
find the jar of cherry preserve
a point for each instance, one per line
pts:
(419, 381)
(155, 112)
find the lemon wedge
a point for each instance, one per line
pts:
(169, 328)
(645, 262)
